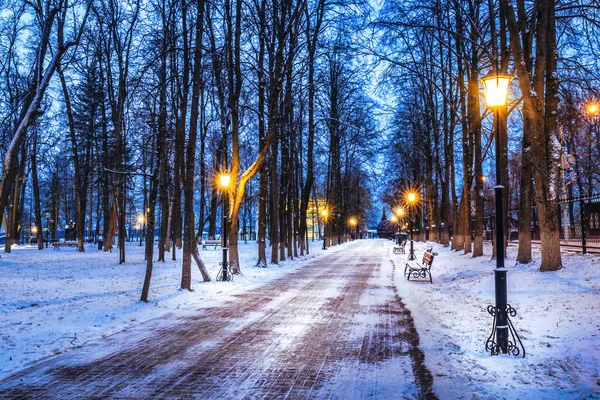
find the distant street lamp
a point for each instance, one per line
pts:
(225, 180)
(400, 215)
(324, 216)
(33, 232)
(141, 220)
(591, 110)
(339, 228)
(496, 94)
(353, 223)
(394, 220)
(411, 198)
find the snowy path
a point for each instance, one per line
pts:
(336, 328)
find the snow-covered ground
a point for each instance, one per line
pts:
(558, 319)
(53, 301)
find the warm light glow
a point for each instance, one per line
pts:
(137, 227)
(496, 88)
(140, 219)
(412, 197)
(593, 108)
(225, 180)
(34, 230)
(394, 219)
(482, 178)
(352, 221)
(400, 211)
(324, 213)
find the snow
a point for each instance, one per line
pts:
(557, 319)
(54, 301)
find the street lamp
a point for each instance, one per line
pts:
(496, 94)
(224, 181)
(324, 216)
(394, 220)
(339, 229)
(353, 223)
(593, 109)
(141, 222)
(33, 231)
(400, 214)
(411, 198)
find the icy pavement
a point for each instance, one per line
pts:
(336, 328)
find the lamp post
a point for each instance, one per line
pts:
(400, 215)
(339, 226)
(394, 220)
(141, 222)
(324, 216)
(33, 231)
(496, 93)
(411, 198)
(592, 110)
(225, 180)
(353, 223)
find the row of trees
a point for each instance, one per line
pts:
(443, 135)
(114, 108)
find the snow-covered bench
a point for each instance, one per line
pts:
(422, 269)
(58, 245)
(215, 243)
(399, 248)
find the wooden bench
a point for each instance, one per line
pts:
(422, 269)
(209, 242)
(58, 245)
(399, 248)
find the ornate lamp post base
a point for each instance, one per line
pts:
(493, 345)
(224, 274)
(411, 252)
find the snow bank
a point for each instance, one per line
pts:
(53, 301)
(557, 319)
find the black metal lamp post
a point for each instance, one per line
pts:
(141, 220)
(496, 91)
(394, 220)
(324, 215)
(411, 197)
(339, 226)
(225, 180)
(352, 222)
(592, 110)
(400, 215)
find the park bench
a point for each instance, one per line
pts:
(210, 242)
(58, 245)
(422, 269)
(399, 248)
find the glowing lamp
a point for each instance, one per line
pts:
(412, 197)
(496, 88)
(225, 180)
